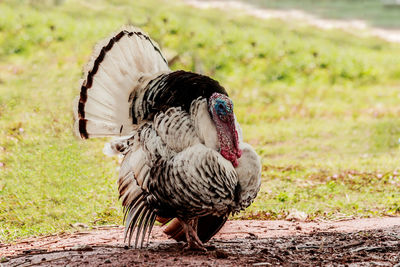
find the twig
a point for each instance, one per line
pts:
(261, 264)
(307, 247)
(381, 249)
(107, 226)
(354, 244)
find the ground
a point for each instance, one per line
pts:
(361, 242)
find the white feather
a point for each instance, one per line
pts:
(119, 73)
(249, 175)
(204, 125)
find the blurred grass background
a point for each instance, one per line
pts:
(320, 107)
(379, 13)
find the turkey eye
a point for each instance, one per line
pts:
(220, 108)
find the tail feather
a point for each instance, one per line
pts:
(113, 73)
(140, 218)
(134, 175)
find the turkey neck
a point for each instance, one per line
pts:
(228, 139)
(221, 111)
(215, 134)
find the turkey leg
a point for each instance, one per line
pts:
(193, 241)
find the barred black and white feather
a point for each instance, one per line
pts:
(172, 162)
(118, 67)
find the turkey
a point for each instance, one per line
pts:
(184, 159)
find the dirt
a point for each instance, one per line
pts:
(357, 27)
(361, 242)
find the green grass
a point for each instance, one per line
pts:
(321, 108)
(374, 12)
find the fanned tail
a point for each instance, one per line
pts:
(119, 66)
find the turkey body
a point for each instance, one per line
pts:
(184, 158)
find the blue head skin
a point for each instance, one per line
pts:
(221, 110)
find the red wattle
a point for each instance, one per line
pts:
(232, 157)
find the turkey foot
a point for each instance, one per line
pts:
(193, 241)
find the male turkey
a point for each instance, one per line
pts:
(184, 158)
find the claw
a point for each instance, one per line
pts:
(193, 241)
(194, 247)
